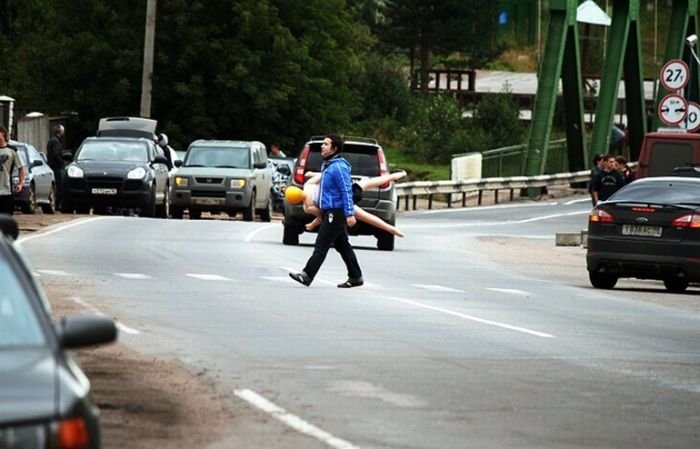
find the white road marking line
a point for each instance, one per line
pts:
(208, 277)
(122, 327)
(580, 200)
(54, 272)
(367, 390)
(481, 208)
(59, 228)
(258, 230)
(437, 288)
(133, 275)
(473, 318)
(512, 291)
(292, 421)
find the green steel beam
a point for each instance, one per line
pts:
(572, 87)
(623, 55)
(562, 21)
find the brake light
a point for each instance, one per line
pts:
(600, 216)
(383, 169)
(73, 434)
(301, 168)
(645, 210)
(691, 221)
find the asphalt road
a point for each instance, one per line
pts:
(443, 347)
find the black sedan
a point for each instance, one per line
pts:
(649, 229)
(117, 173)
(44, 396)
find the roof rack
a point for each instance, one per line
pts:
(353, 138)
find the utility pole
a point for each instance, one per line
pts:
(149, 39)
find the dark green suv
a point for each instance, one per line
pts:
(367, 159)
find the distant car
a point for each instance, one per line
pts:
(117, 172)
(228, 176)
(649, 229)
(44, 395)
(136, 127)
(282, 168)
(368, 160)
(39, 181)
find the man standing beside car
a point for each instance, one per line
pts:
(54, 154)
(337, 207)
(607, 181)
(9, 158)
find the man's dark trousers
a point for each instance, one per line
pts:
(333, 232)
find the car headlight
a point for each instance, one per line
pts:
(137, 173)
(181, 181)
(74, 171)
(237, 183)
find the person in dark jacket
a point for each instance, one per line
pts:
(337, 208)
(608, 181)
(54, 154)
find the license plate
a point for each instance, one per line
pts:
(97, 191)
(208, 201)
(641, 230)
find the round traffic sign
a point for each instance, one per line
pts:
(672, 109)
(692, 118)
(674, 75)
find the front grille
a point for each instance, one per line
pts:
(209, 180)
(209, 193)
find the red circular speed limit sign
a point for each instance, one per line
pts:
(674, 75)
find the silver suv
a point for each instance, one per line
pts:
(228, 176)
(367, 159)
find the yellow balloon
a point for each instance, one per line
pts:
(293, 195)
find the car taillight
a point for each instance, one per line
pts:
(301, 168)
(691, 221)
(72, 434)
(600, 216)
(383, 169)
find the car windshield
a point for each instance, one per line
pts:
(113, 151)
(18, 323)
(225, 157)
(668, 191)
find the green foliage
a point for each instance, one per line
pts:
(498, 116)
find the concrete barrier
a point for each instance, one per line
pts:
(567, 239)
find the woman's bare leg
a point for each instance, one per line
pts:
(377, 181)
(310, 207)
(377, 222)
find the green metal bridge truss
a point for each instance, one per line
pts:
(623, 61)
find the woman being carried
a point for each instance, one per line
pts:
(312, 188)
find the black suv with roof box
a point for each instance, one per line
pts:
(367, 159)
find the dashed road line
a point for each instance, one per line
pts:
(122, 327)
(208, 277)
(512, 291)
(437, 288)
(293, 421)
(133, 276)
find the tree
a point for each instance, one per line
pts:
(429, 27)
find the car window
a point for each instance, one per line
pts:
(230, 157)
(34, 155)
(362, 158)
(113, 151)
(659, 191)
(18, 323)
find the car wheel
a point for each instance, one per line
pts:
(195, 214)
(176, 212)
(385, 241)
(290, 236)
(249, 212)
(149, 210)
(602, 280)
(163, 211)
(50, 208)
(676, 285)
(266, 213)
(30, 206)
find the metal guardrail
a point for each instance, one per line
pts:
(411, 191)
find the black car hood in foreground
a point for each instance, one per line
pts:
(28, 382)
(111, 168)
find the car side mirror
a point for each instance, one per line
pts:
(79, 331)
(67, 156)
(260, 165)
(37, 163)
(177, 163)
